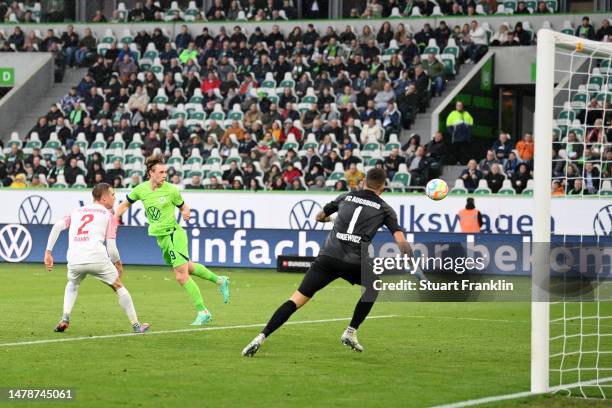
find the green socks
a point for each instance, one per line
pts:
(203, 272)
(194, 293)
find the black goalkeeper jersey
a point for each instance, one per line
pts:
(360, 215)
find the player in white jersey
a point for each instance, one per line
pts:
(90, 228)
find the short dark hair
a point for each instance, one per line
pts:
(376, 178)
(470, 204)
(99, 190)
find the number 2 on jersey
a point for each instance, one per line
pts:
(86, 219)
(351, 226)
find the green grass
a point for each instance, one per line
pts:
(430, 354)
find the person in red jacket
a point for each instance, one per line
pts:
(211, 83)
(291, 173)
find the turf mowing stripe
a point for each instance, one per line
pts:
(241, 326)
(517, 395)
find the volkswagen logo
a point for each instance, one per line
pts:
(302, 215)
(15, 243)
(35, 210)
(602, 224)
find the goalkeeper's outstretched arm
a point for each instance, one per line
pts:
(53, 236)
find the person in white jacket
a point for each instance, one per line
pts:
(478, 39)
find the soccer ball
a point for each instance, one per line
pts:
(436, 189)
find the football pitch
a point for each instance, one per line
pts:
(416, 354)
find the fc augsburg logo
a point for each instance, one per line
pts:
(153, 213)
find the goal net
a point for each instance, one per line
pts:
(572, 333)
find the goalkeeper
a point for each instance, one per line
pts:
(159, 199)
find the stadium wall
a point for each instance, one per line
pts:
(33, 79)
(296, 211)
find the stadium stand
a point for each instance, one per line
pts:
(278, 10)
(262, 109)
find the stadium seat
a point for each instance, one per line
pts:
(122, 11)
(567, 28)
(393, 143)
(287, 82)
(14, 140)
(236, 113)
(53, 142)
(291, 143)
(191, 13)
(509, 6)
(459, 188)
(603, 98)
(483, 188)
(596, 81)
(437, 12)
(452, 48)
(80, 182)
(415, 12)
(60, 182)
(605, 68)
(449, 63)
(310, 141)
(507, 188)
(117, 142)
(217, 114)
(580, 98)
(338, 173)
(81, 142)
(395, 13)
(401, 181)
(566, 116)
(432, 47)
(34, 142)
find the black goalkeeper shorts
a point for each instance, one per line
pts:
(325, 270)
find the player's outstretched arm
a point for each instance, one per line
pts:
(53, 236)
(322, 217)
(122, 208)
(404, 246)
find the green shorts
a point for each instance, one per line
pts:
(174, 247)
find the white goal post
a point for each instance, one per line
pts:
(552, 47)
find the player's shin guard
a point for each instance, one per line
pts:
(126, 303)
(362, 308)
(282, 314)
(194, 293)
(203, 272)
(70, 295)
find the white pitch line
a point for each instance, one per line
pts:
(241, 326)
(517, 395)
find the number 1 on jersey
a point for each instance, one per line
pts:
(351, 226)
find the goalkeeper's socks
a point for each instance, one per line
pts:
(203, 272)
(362, 309)
(194, 293)
(282, 314)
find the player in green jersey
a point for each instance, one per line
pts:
(160, 199)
